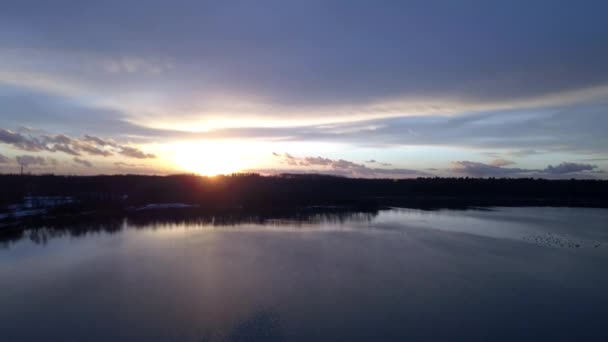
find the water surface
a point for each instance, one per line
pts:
(507, 274)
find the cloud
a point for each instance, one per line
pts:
(27, 160)
(74, 146)
(501, 162)
(517, 134)
(131, 64)
(346, 168)
(525, 153)
(82, 162)
(123, 164)
(3, 159)
(373, 161)
(52, 161)
(99, 141)
(20, 141)
(90, 145)
(595, 159)
(477, 169)
(94, 150)
(566, 167)
(396, 62)
(133, 152)
(391, 50)
(61, 143)
(480, 169)
(139, 169)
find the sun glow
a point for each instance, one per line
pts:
(213, 158)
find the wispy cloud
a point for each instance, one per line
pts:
(20, 141)
(82, 162)
(566, 167)
(343, 167)
(131, 65)
(525, 134)
(373, 161)
(133, 152)
(478, 169)
(501, 162)
(123, 164)
(90, 145)
(122, 167)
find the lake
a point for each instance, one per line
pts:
(505, 274)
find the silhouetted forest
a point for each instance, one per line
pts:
(289, 190)
(56, 202)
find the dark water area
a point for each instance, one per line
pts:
(506, 274)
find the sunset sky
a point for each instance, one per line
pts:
(354, 88)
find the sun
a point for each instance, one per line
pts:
(212, 158)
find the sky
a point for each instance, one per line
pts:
(355, 88)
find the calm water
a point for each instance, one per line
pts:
(510, 274)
